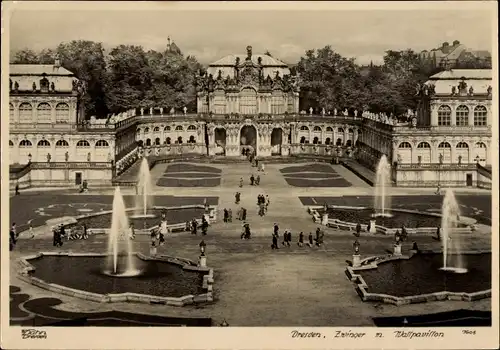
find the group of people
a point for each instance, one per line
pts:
(287, 238)
(246, 233)
(263, 203)
(228, 215)
(254, 180)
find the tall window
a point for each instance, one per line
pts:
(248, 101)
(444, 115)
(480, 116)
(11, 112)
(44, 113)
(444, 150)
(462, 116)
(25, 113)
(62, 113)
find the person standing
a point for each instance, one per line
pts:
(243, 214)
(301, 239)
(226, 215)
(276, 229)
(289, 238)
(311, 241)
(257, 180)
(32, 233)
(237, 197)
(204, 226)
(17, 189)
(230, 215)
(252, 180)
(275, 242)
(358, 230)
(194, 226)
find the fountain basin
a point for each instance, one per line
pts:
(419, 278)
(348, 217)
(162, 279)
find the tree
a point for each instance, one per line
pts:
(25, 56)
(329, 80)
(86, 60)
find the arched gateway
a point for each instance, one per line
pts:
(248, 140)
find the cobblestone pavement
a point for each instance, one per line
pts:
(254, 286)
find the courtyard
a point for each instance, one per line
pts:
(254, 285)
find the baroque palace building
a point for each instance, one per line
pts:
(247, 103)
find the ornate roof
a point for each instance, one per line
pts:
(38, 69)
(480, 80)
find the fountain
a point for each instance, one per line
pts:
(144, 200)
(382, 181)
(120, 265)
(452, 258)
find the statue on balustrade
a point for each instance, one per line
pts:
(89, 157)
(66, 156)
(151, 110)
(52, 87)
(345, 113)
(355, 112)
(142, 111)
(453, 90)
(489, 90)
(310, 110)
(184, 109)
(34, 86)
(462, 87)
(414, 122)
(323, 112)
(172, 110)
(161, 110)
(471, 91)
(399, 158)
(49, 157)
(419, 159)
(441, 158)
(335, 112)
(459, 159)
(16, 86)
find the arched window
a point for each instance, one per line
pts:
(11, 144)
(192, 139)
(329, 129)
(340, 130)
(462, 145)
(167, 128)
(178, 128)
(480, 116)
(191, 128)
(462, 152)
(444, 115)
(317, 128)
(138, 131)
(404, 145)
(156, 129)
(327, 141)
(304, 128)
(101, 144)
(62, 113)
(25, 143)
(44, 113)
(11, 112)
(462, 115)
(148, 142)
(62, 143)
(480, 145)
(444, 149)
(157, 141)
(43, 143)
(146, 130)
(444, 145)
(179, 139)
(481, 153)
(25, 113)
(168, 141)
(82, 144)
(350, 131)
(423, 145)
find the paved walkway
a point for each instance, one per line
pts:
(255, 286)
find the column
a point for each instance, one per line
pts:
(16, 113)
(53, 112)
(453, 114)
(471, 114)
(434, 115)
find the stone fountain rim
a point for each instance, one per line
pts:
(353, 274)
(208, 279)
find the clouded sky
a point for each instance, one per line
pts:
(212, 30)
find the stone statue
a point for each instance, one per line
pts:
(161, 110)
(345, 113)
(49, 157)
(441, 157)
(489, 90)
(453, 90)
(310, 110)
(419, 160)
(10, 84)
(355, 112)
(151, 110)
(16, 86)
(335, 112)
(88, 157)
(249, 53)
(142, 111)
(459, 159)
(399, 159)
(323, 112)
(34, 86)
(471, 91)
(52, 86)
(172, 110)
(66, 156)
(414, 122)
(110, 158)
(184, 109)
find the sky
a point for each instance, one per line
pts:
(210, 31)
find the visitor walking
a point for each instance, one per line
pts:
(252, 180)
(311, 241)
(289, 238)
(226, 215)
(276, 229)
(275, 242)
(204, 226)
(229, 215)
(300, 243)
(285, 238)
(358, 230)
(257, 180)
(438, 190)
(243, 214)
(17, 189)
(237, 197)
(86, 232)
(194, 226)
(12, 239)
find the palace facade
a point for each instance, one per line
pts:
(248, 102)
